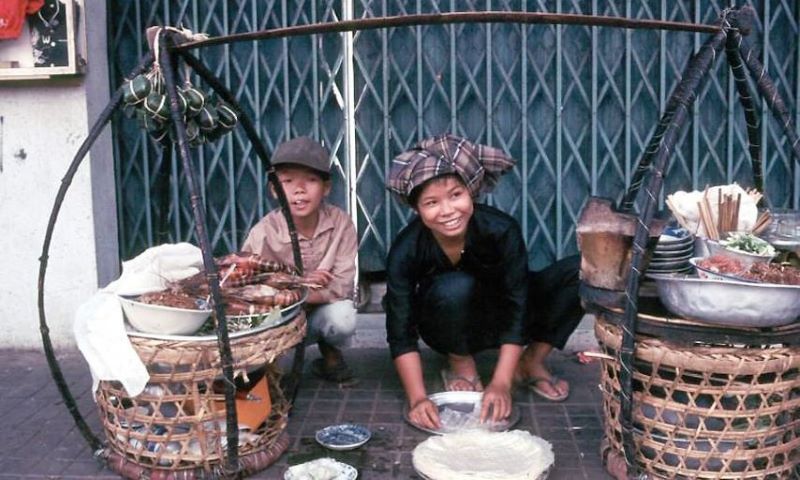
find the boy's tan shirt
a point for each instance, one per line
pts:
(333, 247)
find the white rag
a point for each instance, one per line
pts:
(99, 326)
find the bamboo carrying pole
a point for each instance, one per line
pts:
(683, 96)
(212, 276)
(44, 330)
(261, 153)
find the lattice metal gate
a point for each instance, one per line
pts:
(575, 104)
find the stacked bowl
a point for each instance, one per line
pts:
(672, 253)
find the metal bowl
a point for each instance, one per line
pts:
(709, 274)
(727, 302)
(746, 259)
(458, 411)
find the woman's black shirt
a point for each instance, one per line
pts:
(494, 254)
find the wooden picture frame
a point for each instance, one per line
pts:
(47, 46)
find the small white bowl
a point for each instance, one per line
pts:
(149, 318)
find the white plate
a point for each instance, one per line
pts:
(323, 467)
(345, 436)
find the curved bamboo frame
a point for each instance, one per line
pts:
(649, 173)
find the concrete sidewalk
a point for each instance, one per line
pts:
(38, 438)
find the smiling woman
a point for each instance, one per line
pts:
(458, 278)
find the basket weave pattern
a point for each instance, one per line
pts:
(172, 425)
(707, 412)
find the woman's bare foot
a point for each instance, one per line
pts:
(533, 373)
(461, 375)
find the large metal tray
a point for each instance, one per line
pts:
(287, 314)
(726, 302)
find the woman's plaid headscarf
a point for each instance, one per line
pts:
(479, 166)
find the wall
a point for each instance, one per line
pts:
(42, 125)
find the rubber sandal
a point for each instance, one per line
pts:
(449, 379)
(532, 384)
(339, 373)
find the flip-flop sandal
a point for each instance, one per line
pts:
(449, 379)
(340, 373)
(532, 384)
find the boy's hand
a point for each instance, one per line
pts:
(319, 277)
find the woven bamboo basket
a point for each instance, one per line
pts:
(707, 412)
(176, 424)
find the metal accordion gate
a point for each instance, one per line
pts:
(575, 104)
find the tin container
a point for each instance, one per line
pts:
(729, 302)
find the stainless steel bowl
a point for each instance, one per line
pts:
(726, 302)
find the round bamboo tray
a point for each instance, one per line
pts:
(706, 412)
(177, 424)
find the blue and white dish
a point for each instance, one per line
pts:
(345, 436)
(677, 232)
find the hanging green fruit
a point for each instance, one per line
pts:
(156, 105)
(228, 118)
(195, 100)
(206, 118)
(136, 90)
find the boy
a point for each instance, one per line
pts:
(328, 247)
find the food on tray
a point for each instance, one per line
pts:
(170, 298)
(249, 285)
(758, 272)
(774, 273)
(512, 455)
(748, 243)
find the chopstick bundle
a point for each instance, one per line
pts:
(707, 217)
(676, 213)
(762, 222)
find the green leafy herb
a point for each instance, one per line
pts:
(748, 243)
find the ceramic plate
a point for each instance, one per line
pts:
(321, 468)
(670, 263)
(683, 252)
(458, 411)
(346, 436)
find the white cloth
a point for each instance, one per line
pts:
(99, 327)
(685, 205)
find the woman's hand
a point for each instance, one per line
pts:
(497, 398)
(424, 413)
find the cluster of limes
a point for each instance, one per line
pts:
(206, 117)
